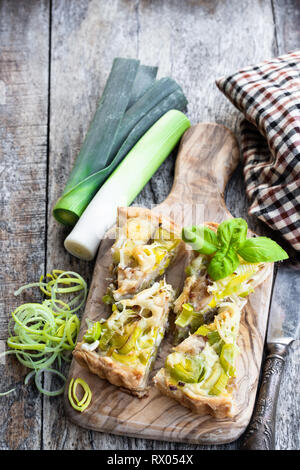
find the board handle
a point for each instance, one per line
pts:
(260, 434)
(207, 156)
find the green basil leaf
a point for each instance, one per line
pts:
(223, 264)
(260, 250)
(232, 233)
(201, 238)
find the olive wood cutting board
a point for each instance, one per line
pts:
(207, 156)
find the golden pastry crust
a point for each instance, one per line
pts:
(218, 407)
(125, 213)
(106, 368)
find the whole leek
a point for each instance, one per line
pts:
(125, 183)
(80, 186)
(131, 103)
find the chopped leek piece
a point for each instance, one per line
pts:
(107, 299)
(39, 386)
(144, 356)
(93, 333)
(131, 342)
(186, 315)
(2, 394)
(166, 239)
(203, 330)
(220, 385)
(124, 358)
(184, 368)
(79, 405)
(105, 338)
(196, 266)
(118, 340)
(213, 337)
(227, 358)
(237, 283)
(213, 377)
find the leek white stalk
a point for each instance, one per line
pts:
(125, 183)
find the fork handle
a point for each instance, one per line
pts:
(260, 434)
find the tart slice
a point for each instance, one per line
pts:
(197, 303)
(123, 348)
(145, 246)
(200, 371)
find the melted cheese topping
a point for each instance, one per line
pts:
(145, 257)
(227, 321)
(138, 229)
(156, 299)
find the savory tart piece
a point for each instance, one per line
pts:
(123, 348)
(200, 371)
(145, 246)
(226, 262)
(197, 303)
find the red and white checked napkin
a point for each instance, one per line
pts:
(268, 95)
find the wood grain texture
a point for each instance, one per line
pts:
(287, 20)
(83, 45)
(23, 174)
(207, 156)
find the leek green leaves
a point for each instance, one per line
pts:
(131, 103)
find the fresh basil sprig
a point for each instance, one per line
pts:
(232, 234)
(223, 264)
(228, 244)
(201, 239)
(261, 250)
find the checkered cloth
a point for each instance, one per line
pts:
(269, 97)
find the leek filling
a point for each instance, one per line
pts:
(134, 330)
(196, 306)
(142, 253)
(205, 363)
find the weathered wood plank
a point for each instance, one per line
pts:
(24, 28)
(195, 42)
(287, 21)
(83, 45)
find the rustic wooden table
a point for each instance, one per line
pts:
(55, 56)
